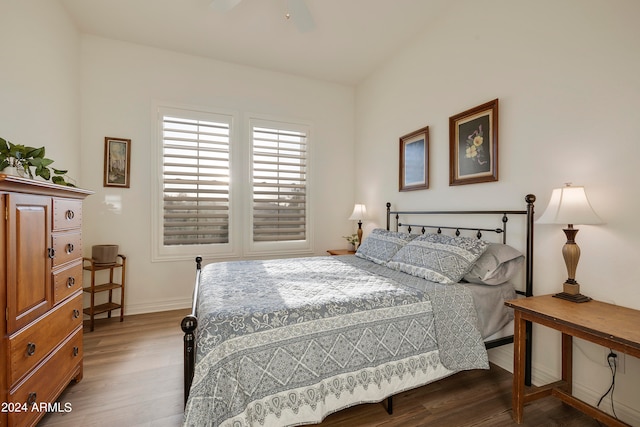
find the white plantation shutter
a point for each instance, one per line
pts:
(195, 179)
(279, 182)
(224, 191)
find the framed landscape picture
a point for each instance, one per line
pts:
(414, 160)
(117, 162)
(473, 145)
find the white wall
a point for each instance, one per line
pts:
(566, 74)
(39, 80)
(121, 82)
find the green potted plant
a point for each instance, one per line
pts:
(353, 241)
(28, 161)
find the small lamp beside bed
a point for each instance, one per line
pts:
(569, 205)
(358, 214)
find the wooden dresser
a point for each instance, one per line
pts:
(41, 295)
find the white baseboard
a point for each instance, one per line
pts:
(503, 357)
(156, 306)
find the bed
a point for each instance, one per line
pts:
(289, 341)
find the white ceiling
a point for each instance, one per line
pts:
(350, 39)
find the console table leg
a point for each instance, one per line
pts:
(567, 361)
(519, 356)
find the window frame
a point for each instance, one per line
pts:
(160, 251)
(240, 243)
(262, 248)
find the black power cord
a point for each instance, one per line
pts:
(612, 360)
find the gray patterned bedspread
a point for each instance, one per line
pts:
(286, 342)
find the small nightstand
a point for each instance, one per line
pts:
(340, 252)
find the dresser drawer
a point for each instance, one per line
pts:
(67, 214)
(32, 344)
(67, 247)
(47, 381)
(67, 281)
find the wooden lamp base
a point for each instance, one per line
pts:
(571, 255)
(571, 292)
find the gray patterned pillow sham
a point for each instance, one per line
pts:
(438, 258)
(381, 245)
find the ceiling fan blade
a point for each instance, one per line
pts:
(223, 5)
(301, 15)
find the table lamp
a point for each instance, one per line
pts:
(358, 214)
(569, 205)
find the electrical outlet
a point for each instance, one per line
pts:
(619, 360)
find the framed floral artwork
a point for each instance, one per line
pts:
(117, 162)
(473, 145)
(414, 160)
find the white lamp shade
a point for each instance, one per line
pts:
(359, 213)
(569, 205)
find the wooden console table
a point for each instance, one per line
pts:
(605, 324)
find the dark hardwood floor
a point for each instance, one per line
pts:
(133, 377)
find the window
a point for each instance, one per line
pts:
(224, 191)
(279, 182)
(195, 182)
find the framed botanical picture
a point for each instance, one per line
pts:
(473, 145)
(414, 160)
(117, 162)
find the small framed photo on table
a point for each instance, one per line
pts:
(473, 145)
(414, 160)
(117, 162)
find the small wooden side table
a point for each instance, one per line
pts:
(605, 324)
(94, 288)
(340, 252)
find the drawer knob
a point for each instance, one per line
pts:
(70, 282)
(76, 350)
(33, 397)
(69, 214)
(51, 252)
(70, 248)
(76, 313)
(31, 349)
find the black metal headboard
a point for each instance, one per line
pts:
(501, 230)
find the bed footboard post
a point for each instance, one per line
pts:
(189, 325)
